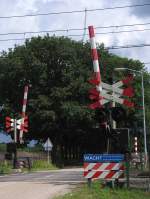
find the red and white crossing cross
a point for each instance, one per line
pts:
(22, 124)
(9, 123)
(103, 92)
(112, 93)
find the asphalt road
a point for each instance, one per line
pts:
(39, 185)
(48, 184)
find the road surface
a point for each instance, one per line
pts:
(39, 185)
(48, 184)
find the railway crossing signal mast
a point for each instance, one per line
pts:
(12, 124)
(104, 93)
(26, 88)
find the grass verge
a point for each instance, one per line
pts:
(97, 192)
(5, 168)
(39, 165)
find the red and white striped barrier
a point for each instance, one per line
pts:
(107, 170)
(97, 76)
(24, 111)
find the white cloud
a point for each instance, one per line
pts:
(76, 20)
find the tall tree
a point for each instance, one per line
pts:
(58, 70)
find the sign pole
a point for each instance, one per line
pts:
(15, 131)
(15, 141)
(48, 147)
(48, 158)
(89, 182)
(128, 161)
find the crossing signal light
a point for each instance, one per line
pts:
(118, 114)
(120, 139)
(101, 115)
(11, 147)
(9, 124)
(22, 124)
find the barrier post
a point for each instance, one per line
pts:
(127, 162)
(89, 182)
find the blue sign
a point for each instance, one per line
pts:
(103, 157)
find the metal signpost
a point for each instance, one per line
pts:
(12, 124)
(48, 147)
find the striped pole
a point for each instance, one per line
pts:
(24, 110)
(94, 54)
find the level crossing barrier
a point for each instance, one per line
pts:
(109, 167)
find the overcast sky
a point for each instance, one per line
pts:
(97, 18)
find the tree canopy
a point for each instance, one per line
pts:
(58, 70)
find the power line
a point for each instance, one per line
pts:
(106, 48)
(112, 32)
(15, 39)
(73, 11)
(72, 29)
(123, 25)
(146, 63)
(122, 31)
(35, 32)
(77, 35)
(84, 29)
(127, 46)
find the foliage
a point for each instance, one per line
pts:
(58, 70)
(97, 192)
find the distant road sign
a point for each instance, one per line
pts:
(48, 145)
(103, 157)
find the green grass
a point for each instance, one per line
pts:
(42, 165)
(2, 147)
(36, 148)
(97, 192)
(38, 165)
(5, 168)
